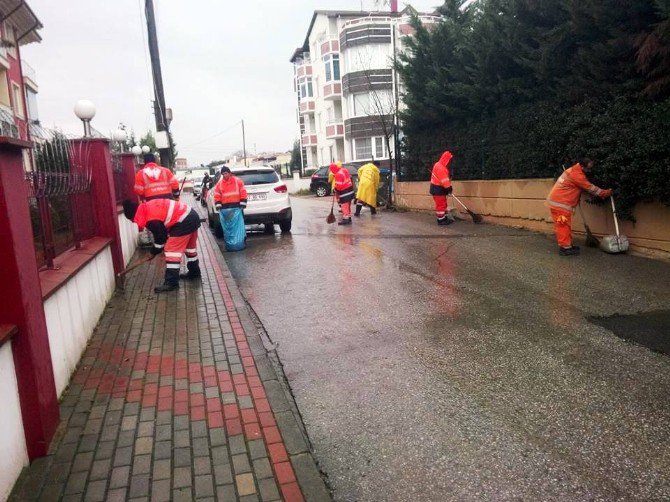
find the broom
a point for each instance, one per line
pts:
(135, 265)
(331, 216)
(476, 218)
(591, 240)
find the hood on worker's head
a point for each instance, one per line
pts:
(338, 163)
(334, 168)
(129, 209)
(446, 158)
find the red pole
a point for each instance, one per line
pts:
(22, 304)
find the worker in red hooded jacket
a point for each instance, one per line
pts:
(175, 228)
(344, 190)
(155, 182)
(563, 199)
(440, 187)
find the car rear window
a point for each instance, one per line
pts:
(252, 177)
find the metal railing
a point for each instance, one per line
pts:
(58, 178)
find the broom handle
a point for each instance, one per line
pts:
(459, 201)
(616, 220)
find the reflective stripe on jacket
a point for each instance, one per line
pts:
(568, 188)
(149, 186)
(168, 212)
(230, 192)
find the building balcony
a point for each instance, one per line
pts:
(309, 140)
(304, 70)
(332, 90)
(335, 129)
(307, 105)
(330, 47)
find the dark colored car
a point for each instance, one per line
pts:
(320, 185)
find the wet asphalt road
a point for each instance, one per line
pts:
(457, 363)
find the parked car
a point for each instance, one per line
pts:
(319, 184)
(197, 187)
(268, 202)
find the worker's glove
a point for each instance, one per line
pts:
(449, 190)
(606, 193)
(218, 206)
(156, 251)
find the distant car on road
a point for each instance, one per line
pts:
(197, 187)
(319, 184)
(268, 202)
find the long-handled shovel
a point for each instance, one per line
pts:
(618, 243)
(476, 218)
(331, 216)
(135, 265)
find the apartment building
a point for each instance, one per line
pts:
(345, 84)
(19, 26)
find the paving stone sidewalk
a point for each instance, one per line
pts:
(175, 398)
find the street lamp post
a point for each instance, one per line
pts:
(85, 111)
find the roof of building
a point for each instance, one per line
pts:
(23, 18)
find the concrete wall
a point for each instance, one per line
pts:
(12, 438)
(129, 232)
(73, 311)
(520, 203)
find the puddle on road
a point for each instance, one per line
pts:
(650, 329)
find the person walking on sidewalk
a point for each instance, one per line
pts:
(368, 184)
(230, 200)
(344, 190)
(440, 187)
(563, 199)
(155, 182)
(175, 226)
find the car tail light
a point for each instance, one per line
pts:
(281, 189)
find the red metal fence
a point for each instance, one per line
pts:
(59, 185)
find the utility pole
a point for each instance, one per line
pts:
(244, 145)
(160, 112)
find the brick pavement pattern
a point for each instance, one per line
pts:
(168, 403)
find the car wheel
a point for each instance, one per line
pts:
(269, 228)
(321, 191)
(218, 230)
(285, 226)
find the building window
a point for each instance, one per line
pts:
(363, 148)
(4, 89)
(332, 63)
(306, 89)
(18, 101)
(9, 36)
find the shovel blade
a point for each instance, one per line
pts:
(613, 244)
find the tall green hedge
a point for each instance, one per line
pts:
(520, 88)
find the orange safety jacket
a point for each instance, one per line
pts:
(156, 182)
(165, 217)
(344, 188)
(440, 178)
(568, 188)
(230, 193)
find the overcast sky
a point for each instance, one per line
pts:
(222, 61)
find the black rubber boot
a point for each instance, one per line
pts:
(571, 251)
(168, 286)
(193, 271)
(345, 221)
(358, 209)
(444, 221)
(373, 210)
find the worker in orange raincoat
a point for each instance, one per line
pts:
(175, 226)
(563, 199)
(155, 182)
(440, 187)
(344, 189)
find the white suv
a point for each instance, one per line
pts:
(268, 202)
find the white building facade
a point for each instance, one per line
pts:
(346, 86)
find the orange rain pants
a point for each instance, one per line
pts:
(563, 226)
